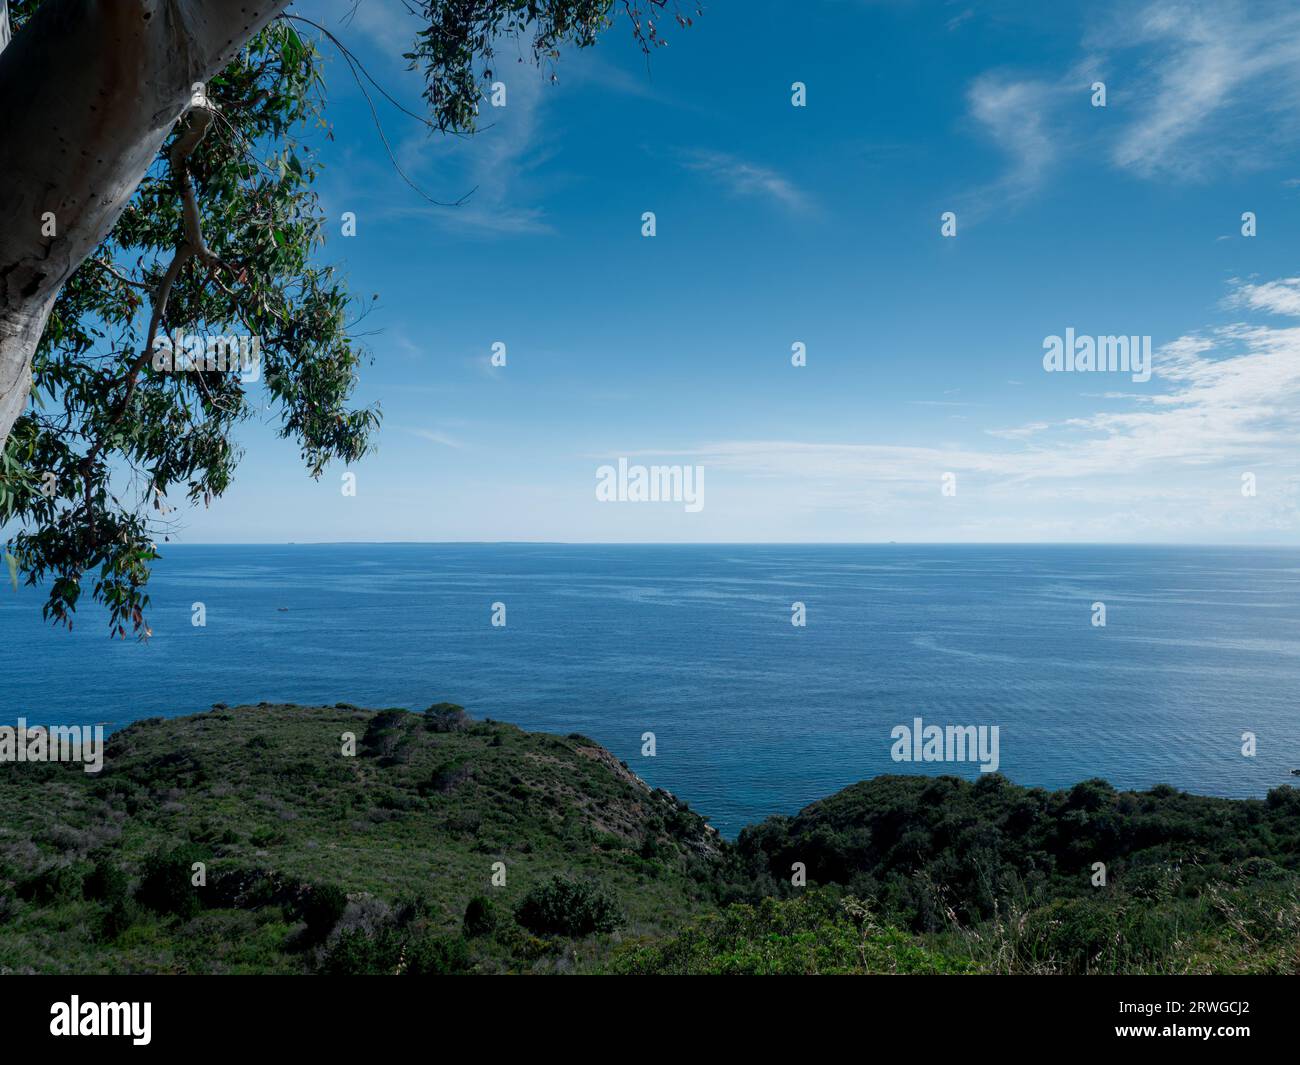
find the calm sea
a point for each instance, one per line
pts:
(751, 715)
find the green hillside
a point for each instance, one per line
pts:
(317, 861)
(1023, 880)
(379, 857)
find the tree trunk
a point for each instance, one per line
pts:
(89, 90)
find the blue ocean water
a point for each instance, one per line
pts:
(752, 716)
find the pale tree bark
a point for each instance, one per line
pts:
(89, 90)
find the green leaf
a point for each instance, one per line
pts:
(293, 48)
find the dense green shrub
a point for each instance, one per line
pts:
(322, 908)
(55, 883)
(480, 916)
(1074, 935)
(387, 737)
(565, 907)
(927, 845)
(446, 717)
(106, 882)
(446, 778)
(434, 955)
(116, 918)
(264, 836)
(356, 952)
(814, 933)
(391, 951)
(166, 882)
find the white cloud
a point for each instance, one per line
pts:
(1214, 81)
(1193, 87)
(493, 170)
(1274, 297)
(433, 436)
(496, 163)
(748, 179)
(1168, 461)
(1013, 113)
(1020, 432)
(388, 23)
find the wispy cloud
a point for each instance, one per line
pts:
(1014, 113)
(497, 163)
(1019, 432)
(1202, 65)
(434, 436)
(493, 170)
(1193, 87)
(959, 19)
(1227, 401)
(387, 23)
(1273, 297)
(748, 179)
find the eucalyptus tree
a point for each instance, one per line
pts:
(157, 180)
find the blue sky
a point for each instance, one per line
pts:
(821, 225)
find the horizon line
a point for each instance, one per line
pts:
(732, 543)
